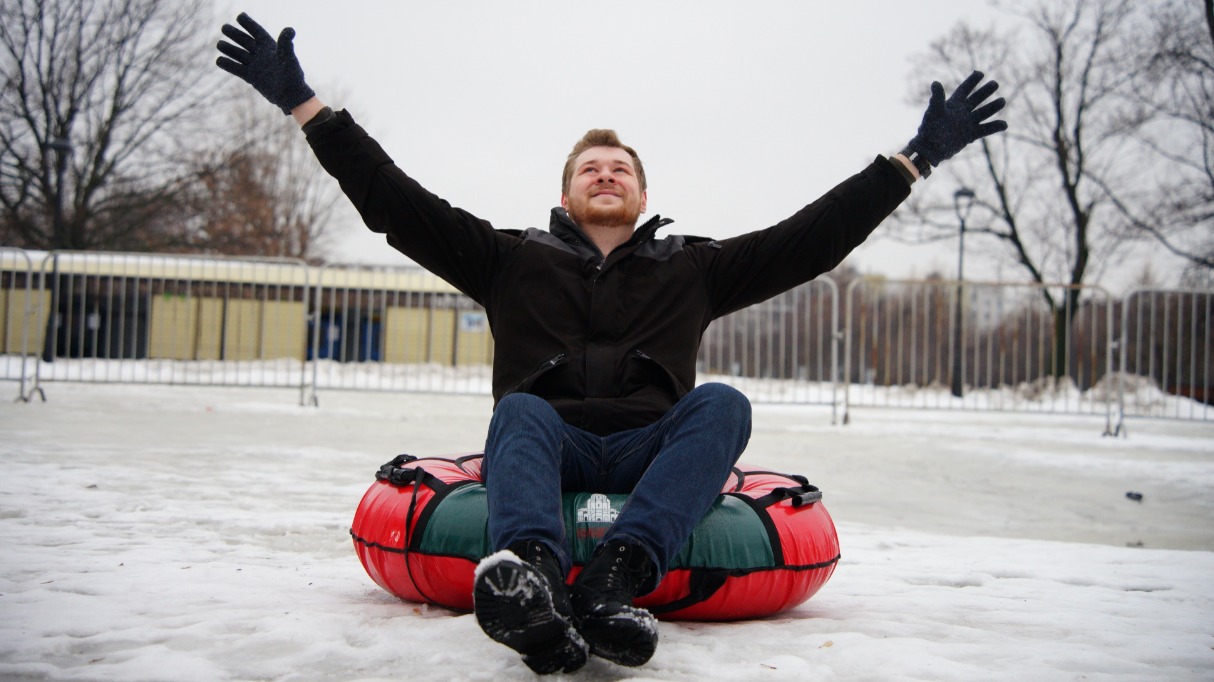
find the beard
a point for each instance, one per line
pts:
(622, 215)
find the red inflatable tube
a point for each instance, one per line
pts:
(767, 545)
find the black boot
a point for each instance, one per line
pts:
(602, 604)
(521, 600)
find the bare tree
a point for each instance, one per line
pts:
(261, 192)
(100, 106)
(1050, 191)
(1176, 85)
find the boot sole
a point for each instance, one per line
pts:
(514, 607)
(629, 638)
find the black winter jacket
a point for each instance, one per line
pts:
(610, 342)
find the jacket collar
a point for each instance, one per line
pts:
(563, 227)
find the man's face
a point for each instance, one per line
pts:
(604, 189)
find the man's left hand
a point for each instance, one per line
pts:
(951, 124)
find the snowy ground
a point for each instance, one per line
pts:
(161, 533)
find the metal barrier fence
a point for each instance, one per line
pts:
(978, 345)
(144, 318)
(1164, 348)
(18, 310)
(784, 350)
(396, 329)
(938, 344)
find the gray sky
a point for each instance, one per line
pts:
(741, 111)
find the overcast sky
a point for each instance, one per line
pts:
(741, 111)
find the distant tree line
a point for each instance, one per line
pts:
(117, 133)
(902, 334)
(1111, 142)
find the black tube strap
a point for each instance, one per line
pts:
(800, 496)
(416, 528)
(741, 479)
(461, 461)
(702, 583)
(396, 474)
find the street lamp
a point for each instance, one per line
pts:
(63, 148)
(963, 203)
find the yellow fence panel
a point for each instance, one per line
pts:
(24, 320)
(474, 342)
(407, 331)
(208, 339)
(283, 330)
(442, 336)
(173, 329)
(242, 330)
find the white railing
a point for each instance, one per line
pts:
(19, 312)
(978, 345)
(935, 344)
(1165, 346)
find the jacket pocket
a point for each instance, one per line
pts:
(658, 370)
(548, 365)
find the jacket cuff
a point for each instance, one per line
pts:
(902, 170)
(315, 123)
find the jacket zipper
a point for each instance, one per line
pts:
(548, 364)
(674, 381)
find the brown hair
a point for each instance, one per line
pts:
(600, 137)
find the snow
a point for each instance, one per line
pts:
(201, 533)
(494, 560)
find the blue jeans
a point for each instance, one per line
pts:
(673, 470)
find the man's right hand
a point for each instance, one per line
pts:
(269, 66)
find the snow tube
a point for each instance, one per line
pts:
(767, 544)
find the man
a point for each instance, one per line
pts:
(597, 325)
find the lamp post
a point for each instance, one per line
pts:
(62, 148)
(963, 202)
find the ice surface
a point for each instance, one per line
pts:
(184, 533)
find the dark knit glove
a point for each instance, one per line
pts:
(269, 66)
(950, 124)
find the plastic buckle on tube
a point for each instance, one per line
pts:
(800, 497)
(807, 498)
(395, 474)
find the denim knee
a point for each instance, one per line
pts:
(724, 393)
(521, 405)
(725, 401)
(523, 425)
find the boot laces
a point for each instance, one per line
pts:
(623, 577)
